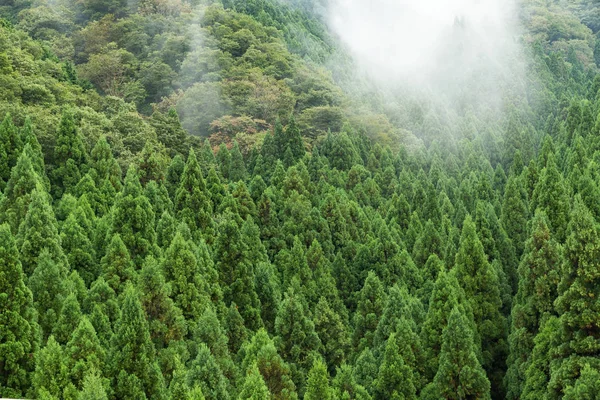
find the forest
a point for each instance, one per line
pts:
(207, 199)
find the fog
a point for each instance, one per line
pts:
(457, 49)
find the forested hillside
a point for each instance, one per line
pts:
(205, 200)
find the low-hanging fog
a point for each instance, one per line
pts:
(463, 51)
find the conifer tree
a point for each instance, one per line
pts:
(68, 319)
(333, 334)
(70, 157)
(237, 171)
(480, 282)
(538, 279)
(84, 353)
(254, 387)
(180, 267)
(515, 214)
(346, 387)
(51, 376)
(576, 304)
(79, 250)
(116, 265)
(371, 302)
(460, 375)
(49, 288)
(296, 337)
(317, 384)
(236, 272)
(11, 142)
(105, 165)
(395, 378)
(133, 219)
(205, 372)
(17, 195)
(19, 332)
(132, 362)
(93, 388)
(192, 201)
(39, 231)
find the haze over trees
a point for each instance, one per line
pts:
(221, 200)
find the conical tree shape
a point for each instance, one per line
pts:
(79, 250)
(69, 156)
(576, 304)
(205, 372)
(480, 283)
(551, 196)
(192, 201)
(17, 195)
(178, 388)
(32, 147)
(68, 319)
(371, 302)
(19, 335)
(116, 265)
(538, 279)
(460, 375)
(93, 388)
(39, 231)
(587, 386)
(51, 376)
(395, 378)
(132, 360)
(181, 270)
(49, 287)
(237, 171)
(11, 142)
(254, 387)
(514, 214)
(447, 294)
(133, 219)
(275, 371)
(84, 353)
(236, 272)
(346, 387)
(333, 334)
(105, 165)
(317, 384)
(166, 321)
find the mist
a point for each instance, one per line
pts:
(465, 52)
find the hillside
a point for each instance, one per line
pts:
(215, 200)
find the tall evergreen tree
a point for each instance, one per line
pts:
(460, 375)
(132, 363)
(70, 157)
(19, 332)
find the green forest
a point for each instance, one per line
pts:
(203, 199)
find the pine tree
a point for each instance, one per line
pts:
(236, 272)
(205, 372)
(49, 288)
(70, 157)
(68, 319)
(551, 196)
(84, 353)
(514, 214)
(371, 302)
(11, 142)
(346, 387)
(79, 250)
(237, 170)
(587, 386)
(317, 384)
(460, 375)
(39, 231)
(93, 388)
(254, 387)
(166, 321)
(576, 304)
(17, 195)
(236, 332)
(260, 350)
(19, 332)
(133, 219)
(192, 201)
(333, 334)
(480, 282)
(538, 279)
(134, 371)
(105, 166)
(116, 265)
(296, 336)
(51, 376)
(181, 270)
(395, 378)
